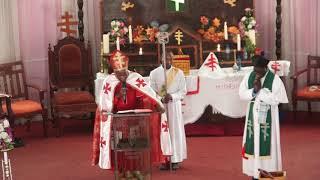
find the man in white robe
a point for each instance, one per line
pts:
(176, 90)
(261, 138)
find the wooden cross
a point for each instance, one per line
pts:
(67, 23)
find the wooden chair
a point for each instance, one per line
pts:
(310, 92)
(71, 79)
(13, 82)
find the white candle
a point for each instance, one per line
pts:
(106, 45)
(218, 47)
(130, 34)
(238, 42)
(140, 51)
(118, 44)
(225, 31)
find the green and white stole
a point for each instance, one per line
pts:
(265, 129)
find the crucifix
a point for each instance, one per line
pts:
(177, 4)
(67, 23)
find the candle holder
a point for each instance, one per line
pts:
(6, 165)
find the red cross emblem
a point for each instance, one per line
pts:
(165, 126)
(212, 62)
(140, 82)
(276, 67)
(102, 142)
(107, 88)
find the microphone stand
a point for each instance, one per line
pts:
(163, 39)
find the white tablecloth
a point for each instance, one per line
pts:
(220, 93)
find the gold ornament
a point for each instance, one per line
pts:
(126, 5)
(232, 3)
(178, 35)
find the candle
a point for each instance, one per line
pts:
(218, 47)
(140, 51)
(130, 34)
(225, 31)
(105, 44)
(238, 42)
(118, 44)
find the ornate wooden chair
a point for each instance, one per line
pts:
(310, 92)
(13, 82)
(71, 79)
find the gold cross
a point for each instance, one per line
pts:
(178, 35)
(232, 3)
(67, 23)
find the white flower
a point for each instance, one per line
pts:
(250, 26)
(6, 123)
(125, 29)
(243, 18)
(8, 140)
(113, 23)
(1, 127)
(116, 29)
(118, 23)
(253, 22)
(4, 135)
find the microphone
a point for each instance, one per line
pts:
(124, 92)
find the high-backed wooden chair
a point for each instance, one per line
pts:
(310, 92)
(71, 79)
(13, 82)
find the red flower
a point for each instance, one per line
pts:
(204, 20)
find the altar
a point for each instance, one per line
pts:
(221, 92)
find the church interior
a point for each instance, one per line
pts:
(91, 89)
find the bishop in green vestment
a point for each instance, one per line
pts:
(261, 138)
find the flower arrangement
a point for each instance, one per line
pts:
(5, 135)
(214, 31)
(247, 22)
(141, 34)
(118, 29)
(247, 26)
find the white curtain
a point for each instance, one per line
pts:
(301, 27)
(9, 31)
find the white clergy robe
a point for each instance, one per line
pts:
(272, 162)
(177, 89)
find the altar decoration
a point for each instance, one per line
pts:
(141, 34)
(125, 5)
(118, 29)
(182, 61)
(6, 144)
(213, 31)
(247, 27)
(211, 67)
(232, 3)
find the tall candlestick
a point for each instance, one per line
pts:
(130, 34)
(238, 42)
(218, 47)
(118, 44)
(225, 31)
(105, 44)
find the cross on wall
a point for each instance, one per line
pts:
(177, 4)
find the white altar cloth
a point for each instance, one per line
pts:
(219, 92)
